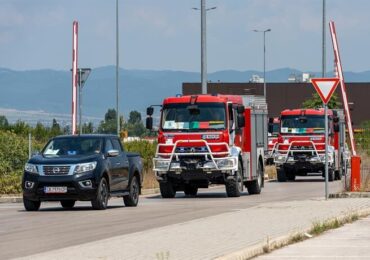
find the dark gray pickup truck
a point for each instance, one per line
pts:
(82, 167)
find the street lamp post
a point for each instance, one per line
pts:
(264, 58)
(203, 13)
(117, 68)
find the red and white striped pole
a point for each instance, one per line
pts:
(338, 65)
(74, 76)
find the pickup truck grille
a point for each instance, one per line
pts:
(56, 170)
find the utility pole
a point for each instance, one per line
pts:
(203, 39)
(117, 68)
(264, 59)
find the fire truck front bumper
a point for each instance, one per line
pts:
(225, 164)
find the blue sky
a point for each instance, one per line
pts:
(165, 34)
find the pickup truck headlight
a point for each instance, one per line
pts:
(85, 167)
(29, 167)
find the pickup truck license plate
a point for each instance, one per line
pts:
(55, 189)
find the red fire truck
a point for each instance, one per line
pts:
(273, 132)
(301, 144)
(210, 139)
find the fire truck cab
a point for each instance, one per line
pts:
(300, 148)
(210, 139)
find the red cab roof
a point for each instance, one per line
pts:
(308, 111)
(204, 99)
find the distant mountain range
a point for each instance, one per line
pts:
(49, 91)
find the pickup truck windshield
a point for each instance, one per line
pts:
(193, 117)
(73, 146)
(302, 124)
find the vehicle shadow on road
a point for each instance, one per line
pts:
(208, 195)
(78, 208)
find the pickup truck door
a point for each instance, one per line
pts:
(114, 165)
(123, 169)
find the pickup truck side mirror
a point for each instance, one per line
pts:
(113, 153)
(149, 123)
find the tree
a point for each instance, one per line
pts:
(21, 128)
(109, 125)
(88, 128)
(315, 102)
(55, 128)
(134, 118)
(4, 124)
(40, 132)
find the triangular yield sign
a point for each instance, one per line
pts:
(325, 87)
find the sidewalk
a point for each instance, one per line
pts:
(352, 241)
(235, 235)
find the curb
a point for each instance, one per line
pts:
(19, 199)
(342, 195)
(281, 241)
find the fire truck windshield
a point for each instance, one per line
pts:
(302, 124)
(187, 117)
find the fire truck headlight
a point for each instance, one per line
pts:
(225, 163)
(175, 166)
(209, 165)
(161, 164)
(280, 158)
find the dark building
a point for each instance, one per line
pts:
(282, 96)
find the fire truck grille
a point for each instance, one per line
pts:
(295, 147)
(201, 149)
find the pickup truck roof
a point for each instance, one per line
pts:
(87, 135)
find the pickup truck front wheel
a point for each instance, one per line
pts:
(31, 205)
(167, 190)
(132, 199)
(102, 195)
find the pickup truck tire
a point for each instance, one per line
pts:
(67, 204)
(167, 190)
(234, 187)
(190, 190)
(281, 175)
(132, 199)
(31, 205)
(102, 195)
(254, 187)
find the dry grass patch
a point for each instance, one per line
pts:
(149, 181)
(271, 172)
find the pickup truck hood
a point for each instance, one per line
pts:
(40, 159)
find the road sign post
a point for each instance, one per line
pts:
(325, 87)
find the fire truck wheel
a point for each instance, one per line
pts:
(338, 176)
(331, 175)
(167, 190)
(281, 176)
(190, 190)
(234, 187)
(254, 187)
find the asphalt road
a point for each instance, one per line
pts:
(24, 233)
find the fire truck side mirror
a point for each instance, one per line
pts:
(240, 109)
(271, 120)
(149, 111)
(241, 121)
(335, 119)
(336, 128)
(149, 123)
(270, 128)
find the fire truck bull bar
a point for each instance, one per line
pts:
(164, 162)
(288, 156)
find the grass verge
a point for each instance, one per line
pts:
(317, 229)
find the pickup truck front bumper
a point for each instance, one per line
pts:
(79, 187)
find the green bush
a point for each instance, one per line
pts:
(13, 156)
(146, 150)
